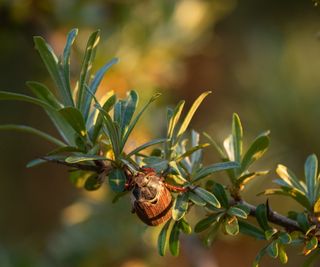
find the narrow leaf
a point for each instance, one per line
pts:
(237, 134)
(251, 230)
(81, 158)
(51, 62)
(162, 239)
(75, 119)
(262, 217)
(205, 171)
(207, 196)
(83, 95)
(117, 180)
(207, 222)
(180, 206)
(256, 151)
(235, 211)
(28, 129)
(191, 112)
(174, 243)
(146, 145)
(311, 170)
(231, 226)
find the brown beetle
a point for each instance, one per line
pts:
(151, 199)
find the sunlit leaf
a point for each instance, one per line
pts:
(180, 206)
(289, 177)
(256, 151)
(237, 134)
(191, 112)
(231, 226)
(273, 249)
(81, 158)
(196, 199)
(235, 211)
(185, 226)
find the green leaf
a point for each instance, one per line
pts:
(81, 158)
(291, 192)
(258, 258)
(156, 163)
(66, 57)
(180, 206)
(207, 222)
(290, 178)
(283, 257)
(74, 117)
(231, 226)
(43, 93)
(311, 171)
(221, 153)
(64, 149)
(303, 221)
(285, 238)
(19, 97)
(191, 151)
(251, 230)
(205, 171)
(256, 151)
(162, 239)
(273, 249)
(174, 243)
(269, 234)
(117, 180)
(129, 108)
(28, 129)
(51, 62)
(146, 145)
(174, 118)
(185, 226)
(262, 217)
(246, 178)
(237, 134)
(221, 195)
(196, 199)
(107, 106)
(93, 182)
(207, 196)
(212, 234)
(190, 113)
(235, 211)
(96, 82)
(83, 95)
(135, 120)
(312, 243)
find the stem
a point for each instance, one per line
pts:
(96, 168)
(273, 217)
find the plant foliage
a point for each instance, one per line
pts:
(93, 138)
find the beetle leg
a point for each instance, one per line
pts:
(175, 188)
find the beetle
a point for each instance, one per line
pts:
(151, 198)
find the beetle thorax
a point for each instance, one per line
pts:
(147, 187)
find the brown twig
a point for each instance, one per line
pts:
(274, 217)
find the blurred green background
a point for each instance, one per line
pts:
(261, 59)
